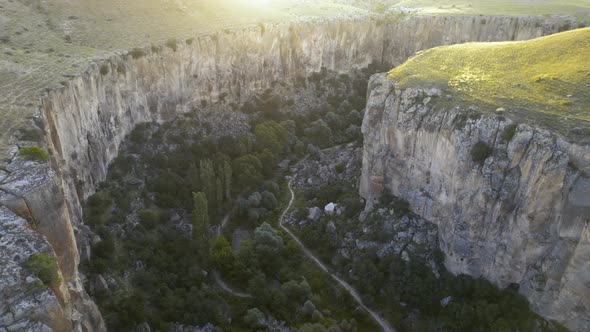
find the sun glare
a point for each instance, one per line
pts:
(257, 2)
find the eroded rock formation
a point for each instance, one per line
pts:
(518, 217)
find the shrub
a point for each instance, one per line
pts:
(254, 318)
(509, 132)
(401, 207)
(480, 152)
(104, 69)
(137, 53)
(190, 41)
(45, 268)
(121, 68)
(341, 167)
(172, 43)
(32, 134)
(33, 153)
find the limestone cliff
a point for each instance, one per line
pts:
(519, 217)
(86, 120)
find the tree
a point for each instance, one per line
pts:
(248, 170)
(254, 318)
(319, 133)
(268, 244)
(268, 161)
(227, 179)
(271, 135)
(354, 118)
(201, 227)
(296, 291)
(269, 201)
(219, 194)
(193, 177)
(207, 179)
(223, 256)
(333, 120)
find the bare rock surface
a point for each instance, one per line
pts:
(517, 215)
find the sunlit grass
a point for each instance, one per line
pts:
(549, 74)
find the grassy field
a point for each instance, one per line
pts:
(549, 74)
(496, 7)
(43, 43)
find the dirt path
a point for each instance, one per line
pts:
(216, 274)
(353, 292)
(225, 287)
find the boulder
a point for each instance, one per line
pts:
(314, 213)
(329, 209)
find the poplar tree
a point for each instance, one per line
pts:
(201, 227)
(207, 176)
(227, 179)
(219, 194)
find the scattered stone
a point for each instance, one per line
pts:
(100, 285)
(331, 227)
(284, 164)
(7, 319)
(329, 209)
(143, 327)
(446, 301)
(314, 213)
(20, 326)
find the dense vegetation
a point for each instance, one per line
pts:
(159, 213)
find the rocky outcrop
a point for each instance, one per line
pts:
(518, 214)
(35, 219)
(86, 120)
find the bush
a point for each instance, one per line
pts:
(401, 207)
(121, 69)
(45, 267)
(480, 152)
(172, 43)
(33, 153)
(104, 69)
(509, 132)
(341, 167)
(137, 53)
(254, 318)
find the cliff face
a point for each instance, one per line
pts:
(521, 216)
(86, 120)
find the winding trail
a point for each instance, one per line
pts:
(216, 274)
(353, 292)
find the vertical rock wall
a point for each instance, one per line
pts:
(520, 217)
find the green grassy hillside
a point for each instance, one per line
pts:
(549, 74)
(496, 7)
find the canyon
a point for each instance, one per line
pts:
(539, 241)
